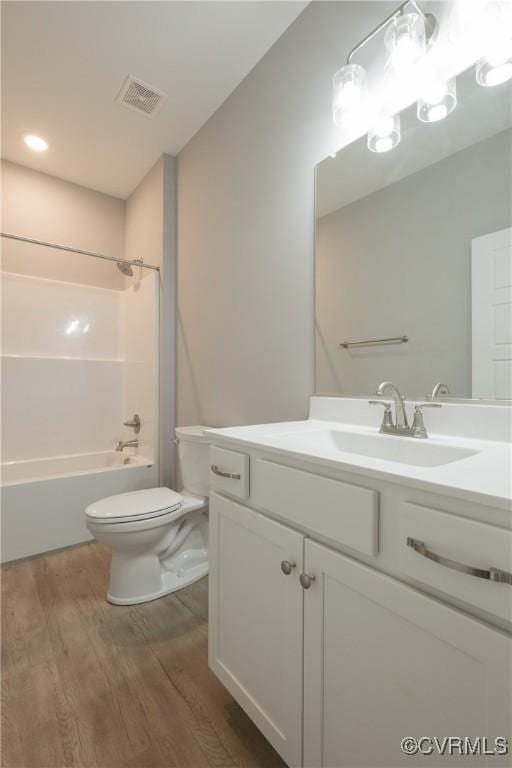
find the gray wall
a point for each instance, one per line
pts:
(246, 228)
(44, 207)
(151, 234)
(399, 262)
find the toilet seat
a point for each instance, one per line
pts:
(134, 506)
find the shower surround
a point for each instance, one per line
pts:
(78, 360)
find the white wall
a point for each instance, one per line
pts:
(62, 371)
(246, 228)
(144, 218)
(77, 361)
(79, 340)
(150, 233)
(43, 207)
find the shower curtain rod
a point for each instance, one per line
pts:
(136, 263)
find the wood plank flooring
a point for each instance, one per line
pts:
(85, 683)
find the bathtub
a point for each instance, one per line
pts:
(43, 500)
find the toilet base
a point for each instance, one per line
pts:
(177, 560)
(171, 582)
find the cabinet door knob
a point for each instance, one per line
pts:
(305, 580)
(287, 567)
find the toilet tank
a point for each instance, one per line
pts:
(193, 454)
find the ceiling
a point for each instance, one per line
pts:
(63, 64)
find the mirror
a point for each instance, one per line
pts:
(414, 258)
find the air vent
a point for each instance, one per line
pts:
(141, 97)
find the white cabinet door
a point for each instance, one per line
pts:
(382, 662)
(256, 614)
(491, 317)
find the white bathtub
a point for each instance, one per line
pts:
(43, 500)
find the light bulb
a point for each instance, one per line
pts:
(438, 100)
(406, 41)
(349, 90)
(489, 76)
(405, 53)
(496, 67)
(439, 112)
(36, 143)
(350, 96)
(384, 144)
(385, 135)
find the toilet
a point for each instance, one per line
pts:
(158, 538)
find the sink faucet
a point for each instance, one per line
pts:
(400, 414)
(401, 426)
(440, 389)
(127, 444)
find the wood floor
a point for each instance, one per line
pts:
(85, 683)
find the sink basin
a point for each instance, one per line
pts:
(402, 450)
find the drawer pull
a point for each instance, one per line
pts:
(492, 574)
(287, 567)
(220, 473)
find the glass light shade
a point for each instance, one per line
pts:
(496, 67)
(406, 41)
(438, 100)
(349, 90)
(386, 135)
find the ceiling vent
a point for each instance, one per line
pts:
(141, 97)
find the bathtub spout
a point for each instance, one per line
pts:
(127, 444)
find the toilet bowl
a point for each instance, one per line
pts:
(158, 538)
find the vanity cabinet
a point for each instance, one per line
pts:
(322, 629)
(256, 617)
(382, 662)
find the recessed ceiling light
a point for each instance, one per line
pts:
(36, 143)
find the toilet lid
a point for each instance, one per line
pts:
(135, 505)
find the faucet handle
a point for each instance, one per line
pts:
(418, 427)
(387, 420)
(419, 406)
(134, 422)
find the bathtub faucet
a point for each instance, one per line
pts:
(127, 444)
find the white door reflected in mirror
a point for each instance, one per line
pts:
(491, 315)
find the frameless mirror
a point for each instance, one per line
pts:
(414, 256)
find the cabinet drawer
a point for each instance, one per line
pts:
(341, 512)
(229, 472)
(455, 555)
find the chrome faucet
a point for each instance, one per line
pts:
(400, 426)
(440, 389)
(400, 414)
(127, 444)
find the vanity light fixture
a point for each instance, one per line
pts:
(36, 143)
(386, 135)
(438, 100)
(409, 34)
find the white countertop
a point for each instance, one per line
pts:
(484, 477)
